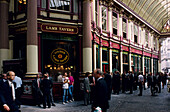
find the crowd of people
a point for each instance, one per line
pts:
(97, 88)
(43, 93)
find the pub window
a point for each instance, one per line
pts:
(146, 38)
(104, 17)
(124, 28)
(114, 18)
(60, 5)
(104, 55)
(75, 9)
(135, 33)
(96, 11)
(43, 3)
(21, 5)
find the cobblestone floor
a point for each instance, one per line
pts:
(119, 103)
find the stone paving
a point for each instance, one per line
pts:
(119, 103)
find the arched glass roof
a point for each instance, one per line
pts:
(155, 12)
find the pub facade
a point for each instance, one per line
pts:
(58, 36)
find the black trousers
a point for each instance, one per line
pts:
(140, 88)
(46, 99)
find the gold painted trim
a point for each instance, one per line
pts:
(4, 1)
(61, 22)
(30, 76)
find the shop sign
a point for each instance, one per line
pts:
(125, 48)
(125, 53)
(21, 29)
(147, 54)
(136, 55)
(155, 56)
(103, 48)
(59, 56)
(136, 51)
(105, 43)
(115, 50)
(59, 29)
(114, 45)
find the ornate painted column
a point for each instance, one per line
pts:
(94, 55)
(100, 15)
(159, 57)
(101, 56)
(143, 63)
(32, 39)
(4, 40)
(87, 39)
(120, 34)
(152, 64)
(110, 29)
(130, 65)
(129, 37)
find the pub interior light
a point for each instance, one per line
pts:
(71, 66)
(48, 65)
(51, 67)
(55, 68)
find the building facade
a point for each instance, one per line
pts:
(165, 54)
(74, 35)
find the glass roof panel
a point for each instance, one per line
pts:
(153, 11)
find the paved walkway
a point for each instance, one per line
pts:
(119, 103)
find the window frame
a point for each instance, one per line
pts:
(116, 16)
(124, 33)
(104, 18)
(61, 10)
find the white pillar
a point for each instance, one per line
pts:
(129, 30)
(110, 60)
(130, 65)
(159, 66)
(100, 58)
(94, 55)
(3, 56)
(121, 62)
(100, 16)
(152, 65)
(93, 11)
(32, 59)
(120, 30)
(110, 26)
(143, 64)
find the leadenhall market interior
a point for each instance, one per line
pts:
(57, 36)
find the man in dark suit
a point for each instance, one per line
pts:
(37, 93)
(108, 79)
(101, 92)
(87, 89)
(7, 94)
(51, 90)
(46, 85)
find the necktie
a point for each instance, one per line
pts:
(38, 83)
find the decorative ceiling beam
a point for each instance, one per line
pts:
(136, 5)
(142, 6)
(156, 10)
(148, 8)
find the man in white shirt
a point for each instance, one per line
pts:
(18, 89)
(140, 82)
